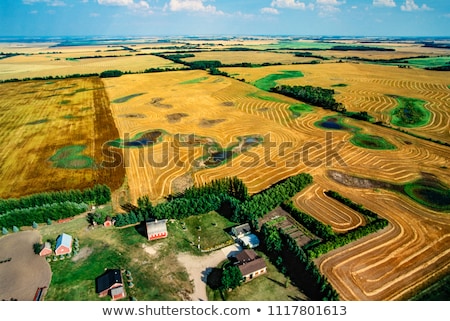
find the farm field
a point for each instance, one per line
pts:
(171, 130)
(372, 88)
(41, 65)
(254, 57)
(52, 136)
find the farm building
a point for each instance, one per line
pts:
(110, 283)
(108, 221)
(156, 229)
(250, 264)
(249, 241)
(241, 230)
(244, 236)
(46, 249)
(63, 244)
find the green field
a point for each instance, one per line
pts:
(429, 62)
(410, 112)
(270, 81)
(126, 98)
(71, 157)
(122, 248)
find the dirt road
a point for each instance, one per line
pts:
(199, 267)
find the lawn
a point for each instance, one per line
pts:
(73, 278)
(272, 286)
(211, 228)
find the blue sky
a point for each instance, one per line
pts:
(224, 17)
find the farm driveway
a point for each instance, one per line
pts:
(199, 267)
(22, 271)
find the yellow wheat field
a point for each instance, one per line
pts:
(388, 265)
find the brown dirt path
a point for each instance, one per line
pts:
(25, 272)
(198, 268)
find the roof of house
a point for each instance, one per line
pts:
(64, 240)
(242, 229)
(252, 266)
(250, 240)
(246, 256)
(156, 226)
(107, 280)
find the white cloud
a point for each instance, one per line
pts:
(410, 5)
(269, 10)
(328, 7)
(116, 2)
(51, 3)
(290, 4)
(138, 5)
(384, 3)
(191, 5)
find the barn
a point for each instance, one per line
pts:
(63, 244)
(156, 229)
(110, 283)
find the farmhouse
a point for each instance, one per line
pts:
(156, 229)
(110, 283)
(46, 249)
(250, 264)
(63, 244)
(244, 236)
(241, 230)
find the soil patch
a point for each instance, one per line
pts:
(133, 116)
(175, 118)
(157, 103)
(84, 253)
(210, 122)
(26, 271)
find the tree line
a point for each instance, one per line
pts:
(292, 261)
(227, 196)
(50, 205)
(316, 96)
(41, 214)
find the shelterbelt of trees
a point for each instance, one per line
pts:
(41, 207)
(227, 196)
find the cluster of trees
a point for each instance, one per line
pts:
(232, 186)
(41, 214)
(316, 96)
(292, 261)
(99, 194)
(227, 196)
(267, 200)
(111, 73)
(50, 205)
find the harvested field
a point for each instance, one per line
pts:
(253, 57)
(371, 88)
(42, 149)
(41, 65)
(208, 117)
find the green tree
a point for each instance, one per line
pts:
(231, 277)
